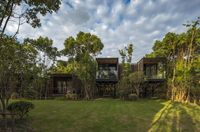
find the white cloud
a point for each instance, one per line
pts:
(140, 22)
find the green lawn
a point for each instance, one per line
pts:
(113, 115)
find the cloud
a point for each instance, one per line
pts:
(116, 22)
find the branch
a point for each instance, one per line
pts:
(4, 14)
(19, 23)
(11, 10)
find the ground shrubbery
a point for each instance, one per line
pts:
(14, 95)
(130, 87)
(132, 97)
(20, 108)
(71, 96)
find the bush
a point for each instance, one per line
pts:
(132, 97)
(123, 95)
(20, 108)
(14, 95)
(30, 93)
(71, 96)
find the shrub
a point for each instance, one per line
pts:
(123, 95)
(20, 108)
(71, 96)
(14, 95)
(132, 97)
(30, 93)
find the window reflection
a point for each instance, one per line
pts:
(106, 72)
(155, 71)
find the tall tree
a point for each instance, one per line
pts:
(82, 51)
(46, 58)
(124, 84)
(16, 63)
(126, 55)
(182, 52)
(25, 11)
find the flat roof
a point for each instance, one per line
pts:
(107, 60)
(152, 60)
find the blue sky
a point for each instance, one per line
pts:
(116, 22)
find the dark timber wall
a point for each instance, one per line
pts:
(108, 74)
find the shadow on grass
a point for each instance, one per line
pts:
(176, 117)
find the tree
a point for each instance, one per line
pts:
(25, 11)
(81, 52)
(62, 66)
(126, 55)
(136, 80)
(46, 59)
(26, 55)
(124, 83)
(16, 65)
(7, 69)
(182, 53)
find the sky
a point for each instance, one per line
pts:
(116, 22)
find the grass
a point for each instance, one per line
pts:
(114, 115)
(109, 115)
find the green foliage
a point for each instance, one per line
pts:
(14, 95)
(21, 108)
(25, 11)
(126, 55)
(31, 92)
(136, 80)
(81, 51)
(124, 83)
(17, 64)
(124, 88)
(182, 52)
(71, 96)
(23, 69)
(62, 67)
(132, 97)
(46, 58)
(131, 85)
(83, 43)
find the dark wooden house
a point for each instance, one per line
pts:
(61, 84)
(154, 70)
(108, 75)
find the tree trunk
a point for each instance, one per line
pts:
(4, 14)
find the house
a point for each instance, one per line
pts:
(108, 75)
(61, 83)
(154, 70)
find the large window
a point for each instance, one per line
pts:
(106, 72)
(61, 86)
(155, 71)
(64, 86)
(151, 71)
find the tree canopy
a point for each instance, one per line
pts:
(25, 11)
(183, 53)
(81, 52)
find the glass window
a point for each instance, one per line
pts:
(106, 72)
(155, 71)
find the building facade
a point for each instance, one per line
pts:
(108, 75)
